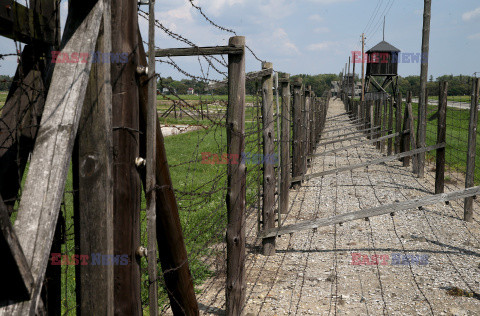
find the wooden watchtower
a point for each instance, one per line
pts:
(382, 62)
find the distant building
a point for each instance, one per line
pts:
(190, 91)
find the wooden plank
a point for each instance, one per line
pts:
(236, 179)
(374, 211)
(384, 123)
(43, 191)
(472, 146)
(297, 128)
(18, 281)
(93, 184)
(390, 127)
(170, 240)
(127, 185)
(268, 209)
(194, 51)
(150, 194)
(406, 139)
(312, 121)
(411, 127)
(441, 138)
(26, 25)
(347, 138)
(285, 148)
(398, 121)
(351, 133)
(368, 141)
(368, 163)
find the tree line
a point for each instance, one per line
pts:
(457, 85)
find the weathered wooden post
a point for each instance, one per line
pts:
(170, 241)
(441, 138)
(384, 123)
(268, 210)
(390, 126)
(398, 122)
(285, 140)
(472, 146)
(297, 169)
(93, 183)
(307, 116)
(313, 112)
(419, 166)
(378, 122)
(151, 183)
(405, 142)
(236, 178)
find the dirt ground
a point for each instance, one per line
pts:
(361, 267)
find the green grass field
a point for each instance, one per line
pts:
(460, 98)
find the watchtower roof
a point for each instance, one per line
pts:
(383, 47)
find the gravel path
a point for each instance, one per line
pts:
(312, 272)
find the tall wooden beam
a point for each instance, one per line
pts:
(150, 188)
(236, 180)
(441, 138)
(127, 186)
(472, 149)
(268, 211)
(297, 169)
(43, 190)
(170, 241)
(422, 104)
(93, 185)
(285, 148)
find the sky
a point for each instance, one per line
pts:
(312, 36)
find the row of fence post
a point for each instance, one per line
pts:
(368, 117)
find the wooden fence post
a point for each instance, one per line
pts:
(384, 123)
(472, 146)
(268, 210)
(93, 184)
(398, 122)
(170, 240)
(297, 128)
(313, 113)
(441, 138)
(307, 117)
(369, 118)
(377, 124)
(390, 126)
(285, 140)
(405, 142)
(236, 179)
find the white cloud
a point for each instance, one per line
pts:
(322, 46)
(323, 29)
(315, 18)
(330, 1)
(474, 36)
(467, 16)
(216, 7)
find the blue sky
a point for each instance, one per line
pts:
(315, 36)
